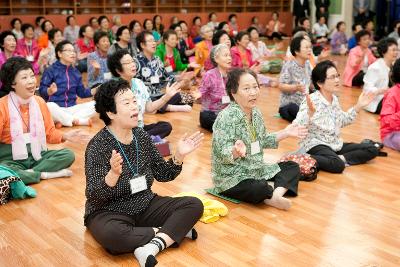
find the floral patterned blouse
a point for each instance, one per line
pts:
(324, 126)
(293, 73)
(232, 125)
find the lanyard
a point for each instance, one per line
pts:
(124, 155)
(251, 130)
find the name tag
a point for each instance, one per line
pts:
(30, 58)
(154, 79)
(255, 148)
(27, 138)
(226, 100)
(169, 69)
(107, 76)
(138, 184)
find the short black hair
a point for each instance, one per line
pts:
(211, 14)
(91, 19)
(232, 83)
(182, 22)
(295, 45)
(15, 20)
(105, 97)
(396, 71)
(38, 19)
(302, 20)
(144, 23)
(167, 34)
(60, 47)
(221, 25)
(195, 18)
(217, 35)
(339, 24)
(232, 16)
(114, 61)
(276, 12)
(10, 69)
(98, 35)
(25, 27)
(119, 32)
(354, 26)
(361, 34)
(318, 74)
(82, 30)
(132, 24)
(44, 23)
(101, 18)
(52, 33)
(141, 39)
(3, 36)
(366, 21)
(253, 19)
(174, 26)
(68, 18)
(161, 25)
(384, 44)
(250, 29)
(240, 35)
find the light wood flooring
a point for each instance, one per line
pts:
(349, 219)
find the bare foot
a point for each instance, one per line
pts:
(281, 203)
(179, 108)
(58, 125)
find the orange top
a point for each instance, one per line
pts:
(43, 41)
(53, 136)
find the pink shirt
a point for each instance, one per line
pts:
(352, 68)
(390, 113)
(212, 89)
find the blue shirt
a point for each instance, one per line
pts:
(104, 73)
(352, 42)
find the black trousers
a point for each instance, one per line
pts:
(207, 119)
(175, 100)
(379, 108)
(289, 112)
(328, 160)
(255, 191)
(122, 233)
(161, 128)
(358, 80)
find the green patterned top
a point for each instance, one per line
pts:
(232, 125)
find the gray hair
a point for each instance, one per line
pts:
(299, 34)
(204, 28)
(216, 51)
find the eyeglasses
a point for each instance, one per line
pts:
(332, 77)
(128, 63)
(69, 51)
(150, 41)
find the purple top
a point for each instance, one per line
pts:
(338, 39)
(212, 90)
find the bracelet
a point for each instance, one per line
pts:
(176, 161)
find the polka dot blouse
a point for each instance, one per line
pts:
(100, 196)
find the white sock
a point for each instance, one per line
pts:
(58, 174)
(146, 254)
(192, 234)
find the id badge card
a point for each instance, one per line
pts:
(30, 58)
(27, 138)
(225, 99)
(138, 184)
(255, 148)
(169, 69)
(107, 76)
(154, 79)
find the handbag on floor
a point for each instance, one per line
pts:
(308, 166)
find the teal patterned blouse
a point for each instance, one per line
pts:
(232, 125)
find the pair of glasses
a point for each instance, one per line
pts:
(69, 51)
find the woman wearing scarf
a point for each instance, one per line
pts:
(26, 126)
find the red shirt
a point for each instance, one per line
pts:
(390, 113)
(84, 48)
(171, 61)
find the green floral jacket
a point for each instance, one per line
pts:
(231, 125)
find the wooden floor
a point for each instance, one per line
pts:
(349, 219)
